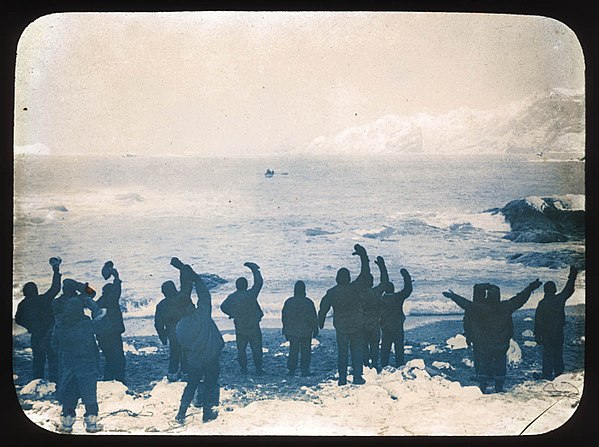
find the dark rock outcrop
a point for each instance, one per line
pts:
(544, 224)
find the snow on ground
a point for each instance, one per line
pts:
(403, 401)
(457, 342)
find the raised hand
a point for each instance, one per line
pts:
(573, 271)
(107, 269)
(359, 250)
(450, 293)
(176, 262)
(251, 265)
(535, 284)
(379, 261)
(55, 262)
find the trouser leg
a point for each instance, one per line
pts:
(499, 368)
(194, 375)
(242, 342)
(548, 360)
(385, 349)
(294, 345)
(399, 347)
(375, 339)
(558, 357)
(39, 355)
(305, 349)
(69, 397)
(485, 369)
(356, 346)
(174, 362)
(476, 358)
(211, 385)
(342, 353)
(88, 390)
(119, 360)
(256, 346)
(112, 348)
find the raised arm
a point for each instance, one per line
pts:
(364, 265)
(54, 289)
(384, 276)
(204, 296)
(569, 287)
(186, 279)
(114, 293)
(459, 300)
(516, 302)
(407, 285)
(325, 306)
(258, 280)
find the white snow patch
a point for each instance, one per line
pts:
(314, 343)
(285, 344)
(457, 342)
(442, 365)
(530, 343)
(432, 349)
(469, 363)
(415, 363)
(528, 319)
(528, 333)
(148, 350)
(229, 337)
(39, 388)
(386, 405)
(514, 353)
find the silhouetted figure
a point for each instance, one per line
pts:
(35, 314)
(372, 310)
(111, 342)
(169, 311)
(392, 319)
(479, 295)
(74, 340)
(345, 299)
(550, 319)
(202, 344)
(242, 306)
(300, 324)
(492, 322)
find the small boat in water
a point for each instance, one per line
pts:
(269, 173)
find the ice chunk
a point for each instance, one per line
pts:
(457, 342)
(514, 353)
(443, 365)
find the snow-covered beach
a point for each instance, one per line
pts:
(432, 394)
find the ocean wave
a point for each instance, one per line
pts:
(34, 214)
(552, 259)
(378, 233)
(318, 232)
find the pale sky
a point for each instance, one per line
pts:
(227, 83)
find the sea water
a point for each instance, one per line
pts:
(424, 213)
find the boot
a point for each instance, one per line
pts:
(91, 424)
(172, 377)
(342, 381)
(180, 418)
(66, 424)
(209, 414)
(359, 380)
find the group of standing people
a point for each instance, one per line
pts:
(70, 341)
(368, 321)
